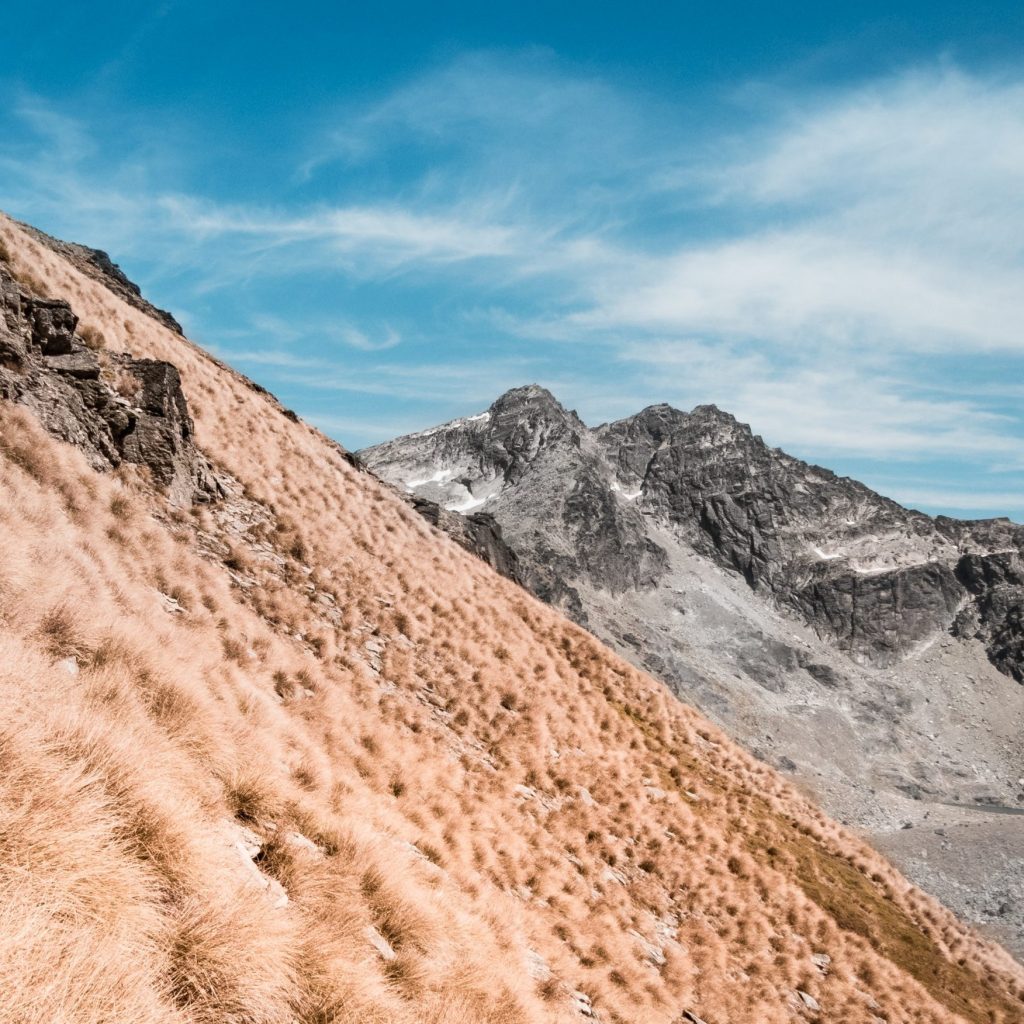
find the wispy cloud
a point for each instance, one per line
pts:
(828, 406)
(388, 234)
(817, 267)
(387, 338)
(1005, 502)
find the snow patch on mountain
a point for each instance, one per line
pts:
(624, 494)
(481, 418)
(439, 476)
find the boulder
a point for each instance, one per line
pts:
(53, 325)
(12, 339)
(162, 437)
(808, 1000)
(81, 363)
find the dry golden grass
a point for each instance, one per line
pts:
(297, 758)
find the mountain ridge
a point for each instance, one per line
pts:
(628, 527)
(732, 533)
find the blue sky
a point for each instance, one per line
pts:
(809, 214)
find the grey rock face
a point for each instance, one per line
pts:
(518, 455)
(53, 325)
(116, 410)
(12, 322)
(881, 617)
(876, 579)
(867, 649)
(478, 532)
(996, 615)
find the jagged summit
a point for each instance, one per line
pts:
(661, 412)
(527, 394)
(711, 411)
(530, 408)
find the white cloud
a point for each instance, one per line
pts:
(827, 406)
(800, 273)
(937, 152)
(889, 216)
(808, 286)
(963, 501)
(356, 338)
(388, 234)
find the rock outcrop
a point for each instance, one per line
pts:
(478, 532)
(115, 408)
(527, 452)
(995, 616)
(876, 579)
(98, 265)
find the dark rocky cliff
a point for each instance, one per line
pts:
(477, 532)
(875, 578)
(115, 408)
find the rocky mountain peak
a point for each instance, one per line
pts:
(534, 408)
(712, 412)
(527, 396)
(715, 425)
(703, 435)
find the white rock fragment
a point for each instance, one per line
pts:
(300, 842)
(536, 966)
(822, 961)
(808, 1000)
(379, 943)
(581, 1002)
(611, 875)
(653, 953)
(248, 846)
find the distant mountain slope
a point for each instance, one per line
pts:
(877, 579)
(278, 752)
(701, 554)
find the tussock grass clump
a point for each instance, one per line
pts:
(92, 336)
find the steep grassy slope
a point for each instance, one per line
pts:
(295, 757)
